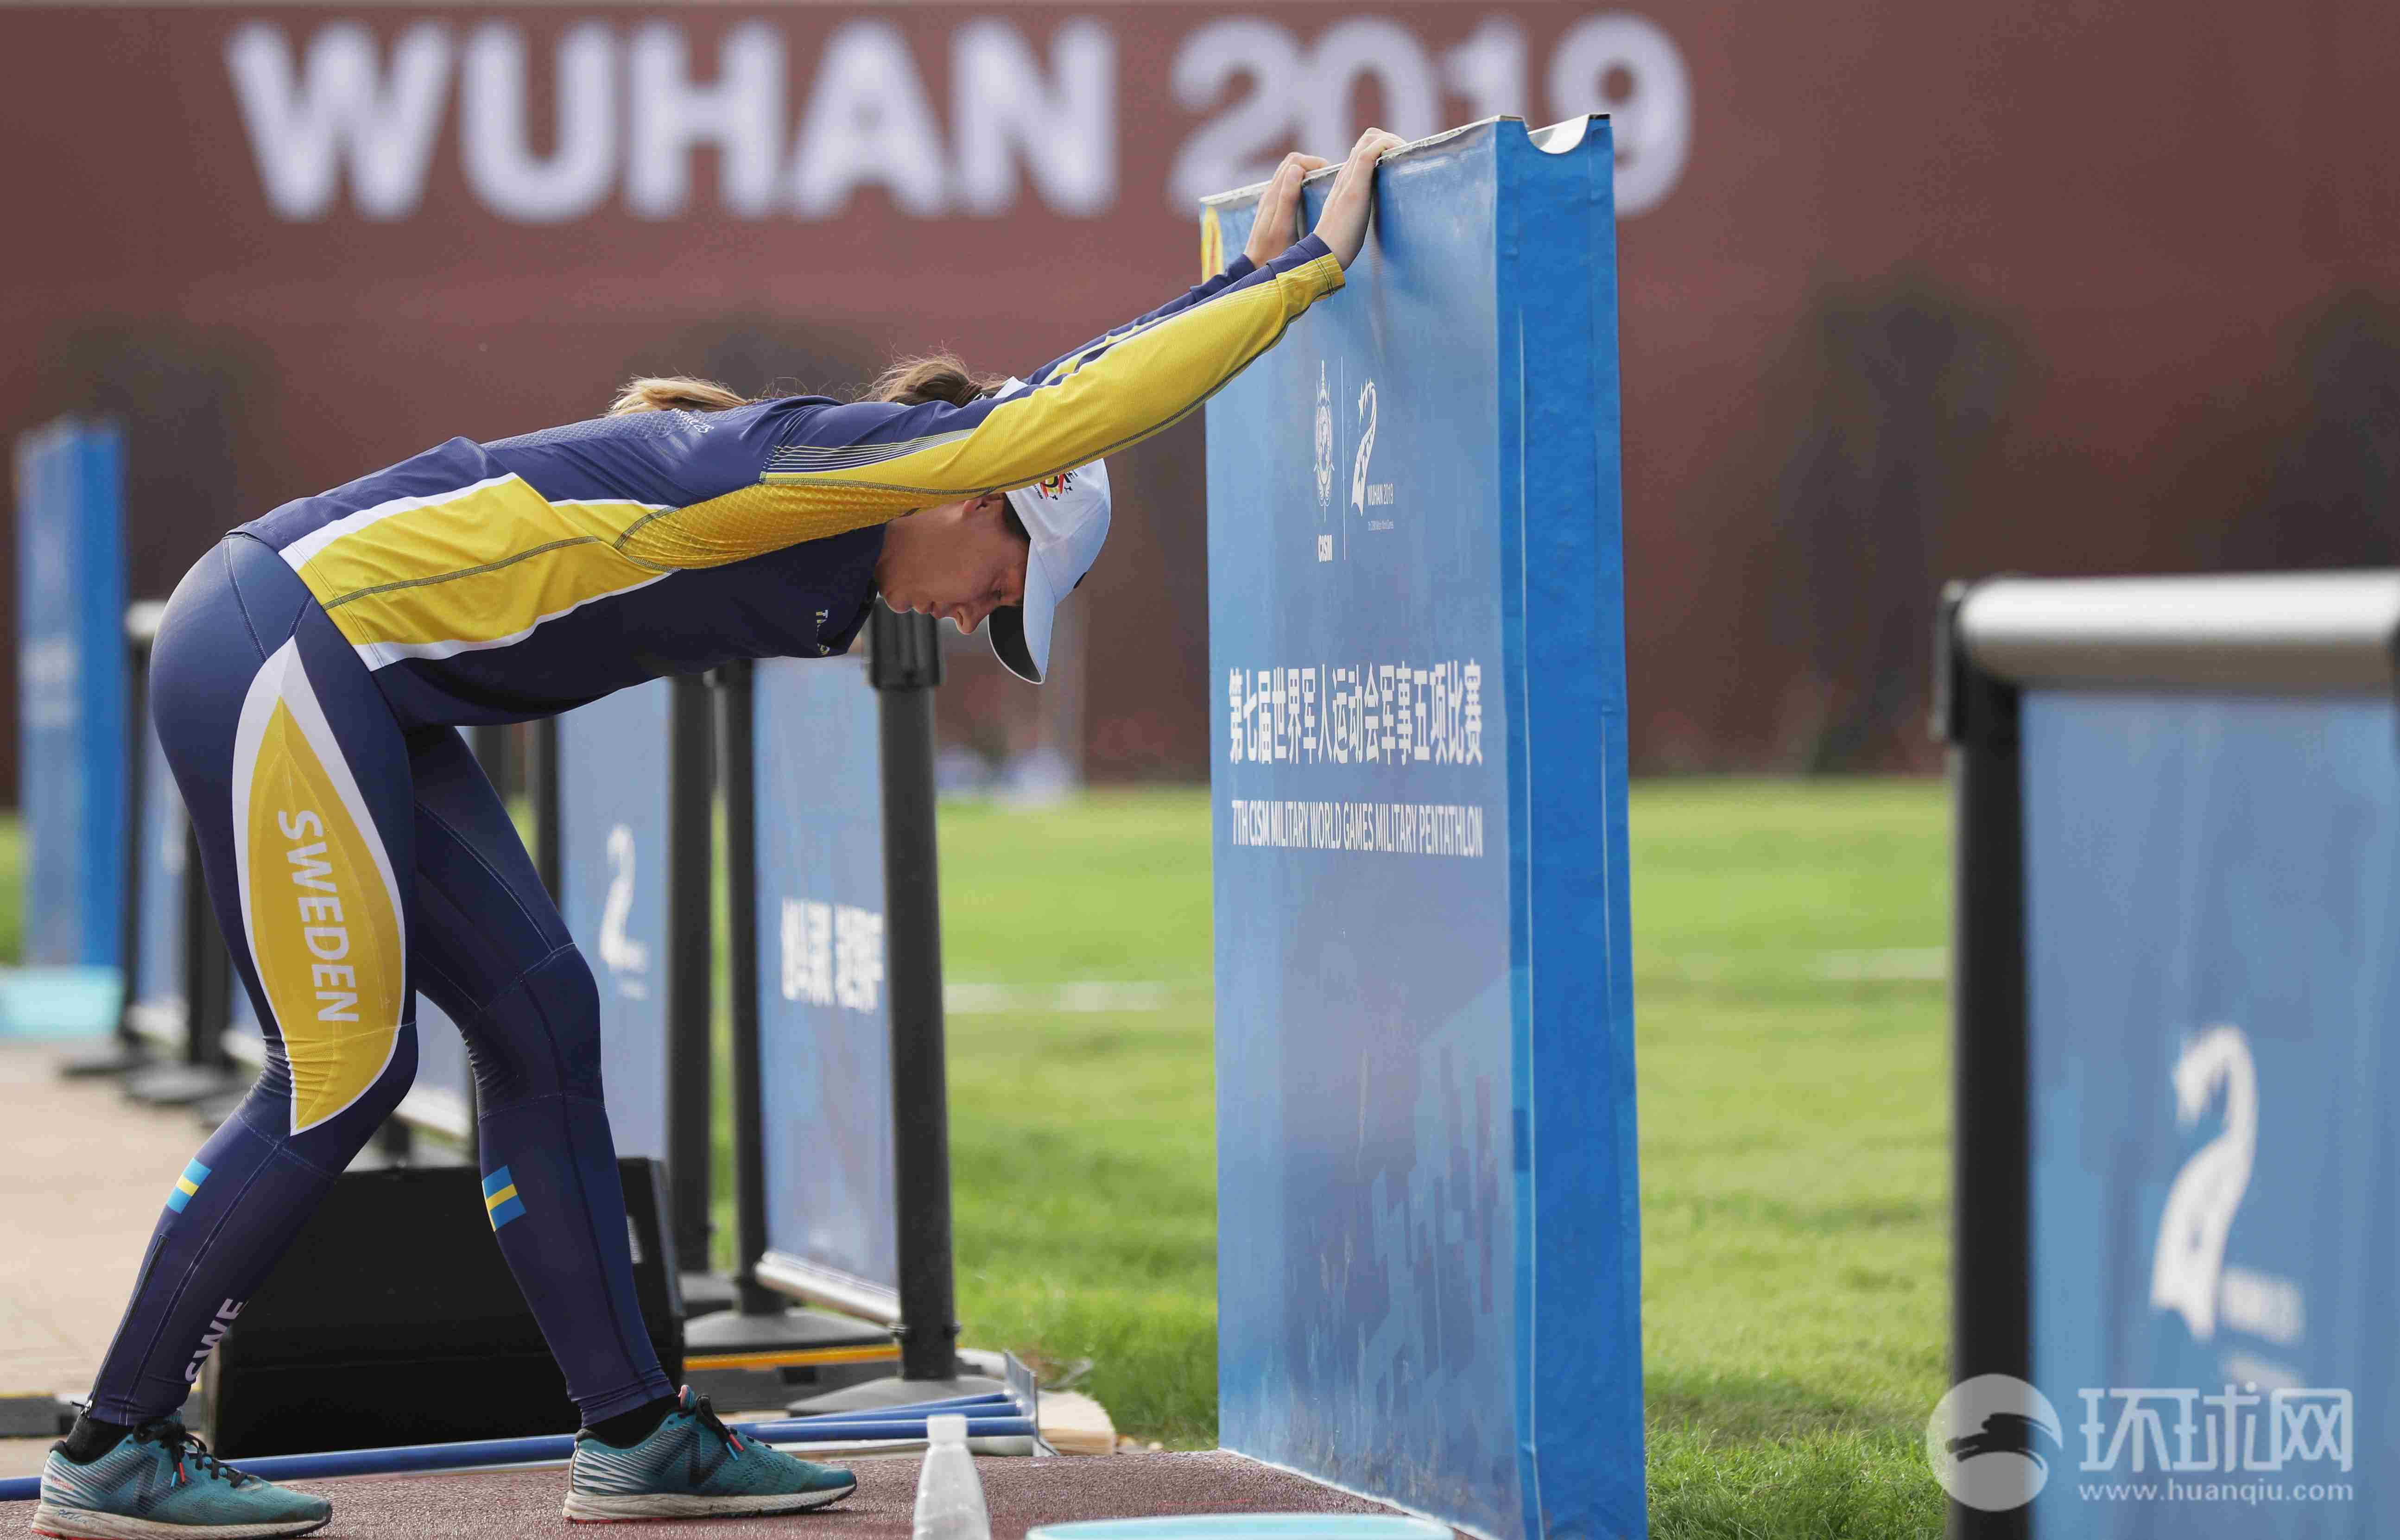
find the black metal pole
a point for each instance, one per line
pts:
(208, 970)
(736, 742)
(905, 665)
(490, 743)
(1991, 1147)
(690, 803)
(542, 789)
(136, 770)
(202, 943)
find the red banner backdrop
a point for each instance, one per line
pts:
(1908, 292)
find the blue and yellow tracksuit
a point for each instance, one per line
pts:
(308, 680)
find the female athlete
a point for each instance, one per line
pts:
(309, 681)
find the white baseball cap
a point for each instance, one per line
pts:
(1067, 515)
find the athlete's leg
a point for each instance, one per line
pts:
(297, 781)
(490, 948)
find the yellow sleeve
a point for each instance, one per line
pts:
(1104, 401)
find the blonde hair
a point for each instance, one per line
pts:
(909, 382)
(674, 393)
(934, 376)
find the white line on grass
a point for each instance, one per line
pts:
(1869, 965)
(1927, 965)
(1090, 996)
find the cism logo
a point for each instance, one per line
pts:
(1365, 495)
(1371, 501)
(1323, 444)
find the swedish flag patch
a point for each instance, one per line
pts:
(186, 1186)
(500, 1200)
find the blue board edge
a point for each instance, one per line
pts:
(102, 532)
(1579, 1280)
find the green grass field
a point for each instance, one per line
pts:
(1794, 1121)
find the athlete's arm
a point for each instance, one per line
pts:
(1342, 223)
(1135, 383)
(1092, 402)
(843, 468)
(1236, 270)
(1272, 232)
(837, 468)
(1276, 225)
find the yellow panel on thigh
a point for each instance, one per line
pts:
(319, 896)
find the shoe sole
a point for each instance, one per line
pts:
(609, 1508)
(86, 1524)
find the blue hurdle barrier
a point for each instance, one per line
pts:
(824, 1004)
(627, 784)
(840, 1112)
(2178, 880)
(788, 1183)
(613, 809)
(1428, 1281)
(71, 710)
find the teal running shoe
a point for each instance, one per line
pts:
(161, 1483)
(693, 1466)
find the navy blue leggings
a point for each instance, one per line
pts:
(353, 862)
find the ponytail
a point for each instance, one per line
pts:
(936, 376)
(909, 382)
(672, 393)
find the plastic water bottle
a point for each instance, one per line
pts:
(949, 1494)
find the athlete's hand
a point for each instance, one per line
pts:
(1279, 222)
(1343, 226)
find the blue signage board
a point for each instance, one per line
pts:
(156, 991)
(71, 690)
(2211, 906)
(613, 812)
(824, 1046)
(1429, 1269)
